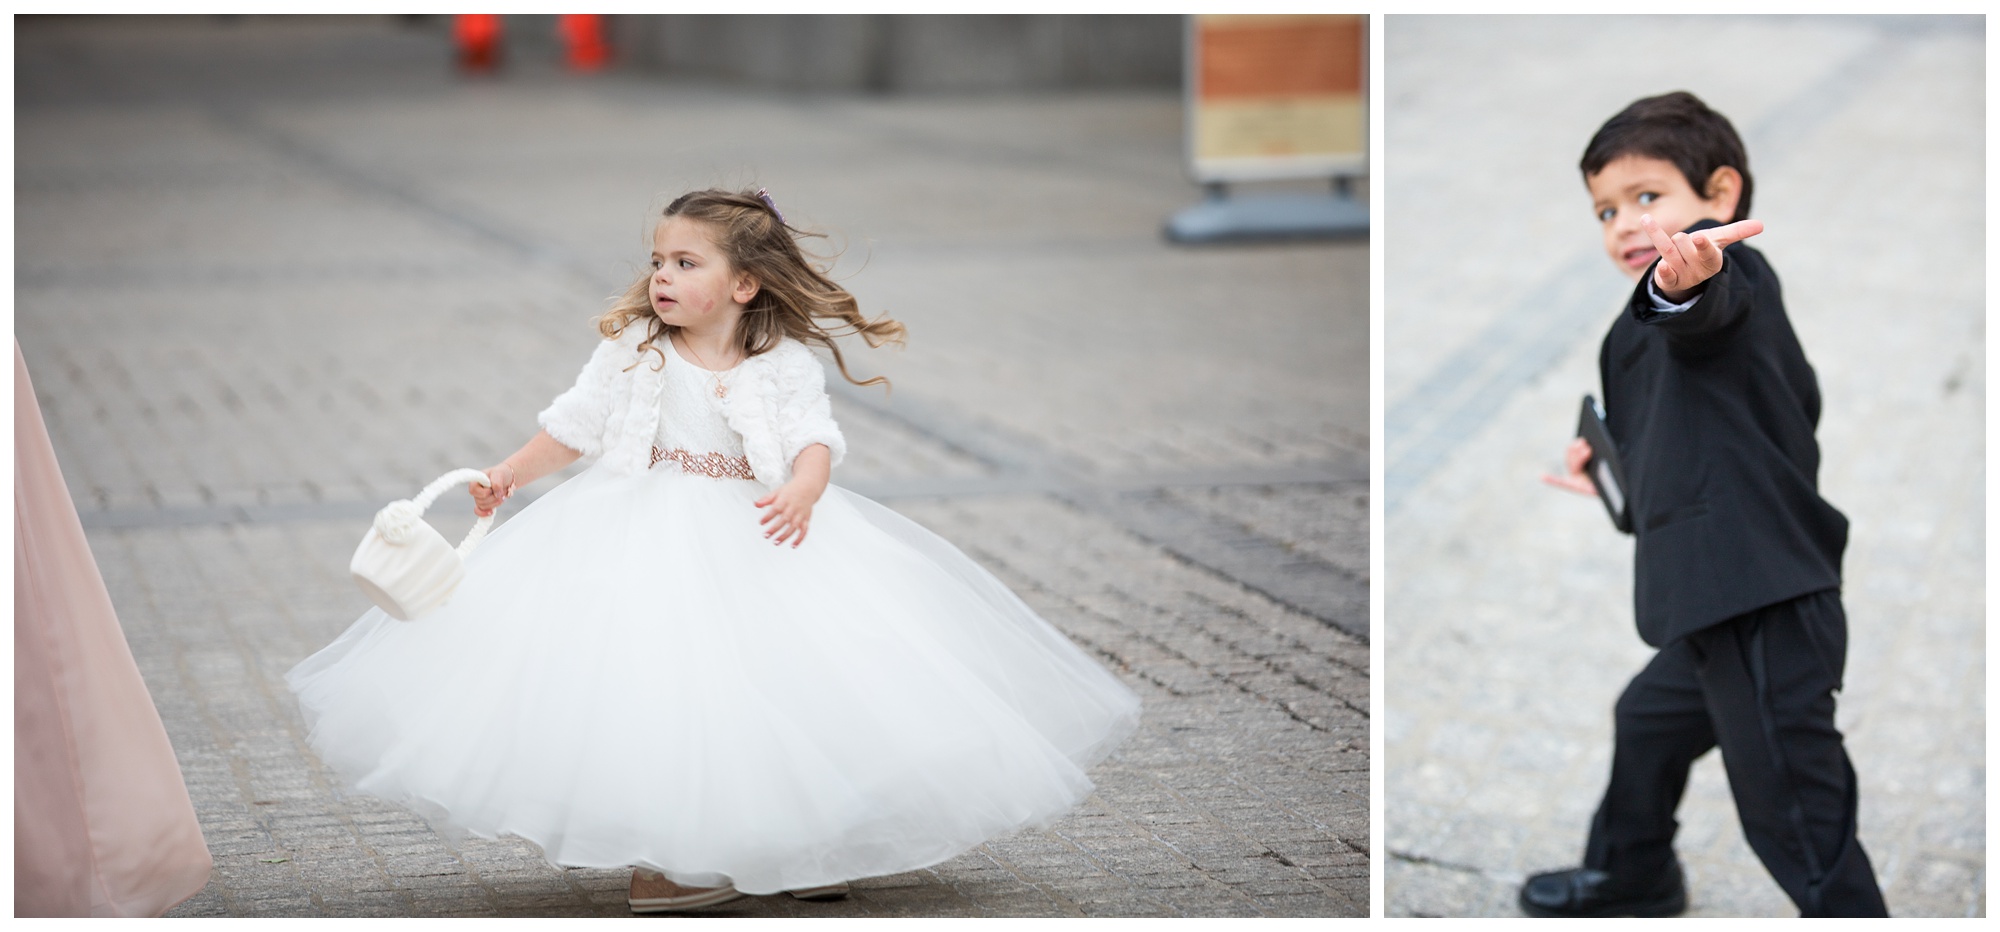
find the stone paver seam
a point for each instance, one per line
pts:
(1278, 805)
(1139, 892)
(1178, 620)
(66, 383)
(1233, 434)
(1093, 859)
(119, 439)
(177, 397)
(1235, 779)
(1290, 639)
(1059, 900)
(209, 423)
(993, 560)
(1220, 583)
(263, 415)
(1183, 554)
(493, 894)
(1264, 851)
(1217, 823)
(583, 893)
(283, 412)
(1271, 661)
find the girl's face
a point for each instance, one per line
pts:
(693, 285)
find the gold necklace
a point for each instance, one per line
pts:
(721, 390)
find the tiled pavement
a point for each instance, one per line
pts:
(272, 275)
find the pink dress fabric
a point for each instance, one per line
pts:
(102, 821)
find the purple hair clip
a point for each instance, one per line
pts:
(765, 195)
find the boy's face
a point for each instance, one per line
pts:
(1633, 185)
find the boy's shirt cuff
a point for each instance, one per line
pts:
(1663, 306)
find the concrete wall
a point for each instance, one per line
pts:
(909, 53)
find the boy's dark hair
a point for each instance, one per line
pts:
(1677, 128)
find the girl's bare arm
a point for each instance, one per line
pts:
(540, 456)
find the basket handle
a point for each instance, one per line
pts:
(452, 480)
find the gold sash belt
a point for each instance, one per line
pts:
(712, 465)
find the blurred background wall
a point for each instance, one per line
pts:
(878, 52)
(904, 54)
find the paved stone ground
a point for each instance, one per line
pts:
(1508, 629)
(270, 276)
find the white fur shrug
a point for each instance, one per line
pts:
(777, 404)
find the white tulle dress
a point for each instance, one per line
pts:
(630, 674)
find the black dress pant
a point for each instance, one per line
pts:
(1759, 686)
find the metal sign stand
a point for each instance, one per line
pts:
(1222, 216)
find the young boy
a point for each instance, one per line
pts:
(1712, 405)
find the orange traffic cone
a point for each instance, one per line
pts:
(477, 37)
(583, 41)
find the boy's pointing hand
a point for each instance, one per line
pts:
(1688, 259)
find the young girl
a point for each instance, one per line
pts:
(650, 666)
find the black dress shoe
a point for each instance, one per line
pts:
(1586, 893)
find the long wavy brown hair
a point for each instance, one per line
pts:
(794, 293)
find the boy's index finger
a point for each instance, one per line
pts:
(1735, 232)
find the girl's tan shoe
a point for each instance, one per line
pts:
(652, 892)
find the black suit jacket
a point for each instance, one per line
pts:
(1713, 411)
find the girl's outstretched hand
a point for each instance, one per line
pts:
(1688, 259)
(791, 507)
